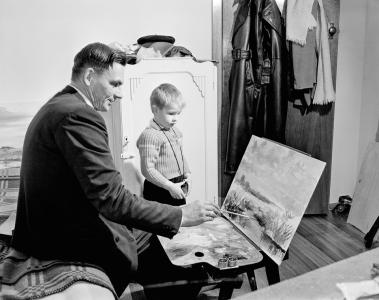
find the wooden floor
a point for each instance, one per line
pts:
(319, 241)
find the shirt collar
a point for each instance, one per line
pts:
(86, 100)
(154, 125)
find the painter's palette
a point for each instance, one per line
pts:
(209, 242)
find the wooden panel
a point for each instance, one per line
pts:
(312, 132)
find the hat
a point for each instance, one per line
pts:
(149, 39)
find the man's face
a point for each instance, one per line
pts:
(107, 87)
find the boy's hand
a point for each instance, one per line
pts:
(176, 191)
(188, 180)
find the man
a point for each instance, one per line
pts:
(72, 207)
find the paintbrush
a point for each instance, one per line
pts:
(233, 213)
(216, 204)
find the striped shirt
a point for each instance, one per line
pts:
(161, 154)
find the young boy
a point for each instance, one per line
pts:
(160, 146)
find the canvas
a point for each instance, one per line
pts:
(269, 194)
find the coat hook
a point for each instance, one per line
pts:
(332, 30)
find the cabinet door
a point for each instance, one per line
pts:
(198, 120)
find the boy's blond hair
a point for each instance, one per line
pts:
(166, 94)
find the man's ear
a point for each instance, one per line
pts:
(88, 76)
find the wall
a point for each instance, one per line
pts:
(349, 86)
(370, 99)
(39, 38)
(357, 105)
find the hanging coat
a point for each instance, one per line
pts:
(258, 80)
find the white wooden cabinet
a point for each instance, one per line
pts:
(198, 121)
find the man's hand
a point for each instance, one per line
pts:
(196, 213)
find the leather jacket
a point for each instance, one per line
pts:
(258, 80)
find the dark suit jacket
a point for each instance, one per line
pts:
(68, 178)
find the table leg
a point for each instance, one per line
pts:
(226, 292)
(369, 237)
(251, 278)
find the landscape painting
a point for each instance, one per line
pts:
(269, 194)
(15, 116)
(14, 119)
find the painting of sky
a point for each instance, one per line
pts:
(15, 117)
(14, 120)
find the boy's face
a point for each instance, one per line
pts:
(167, 116)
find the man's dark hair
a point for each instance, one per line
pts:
(97, 56)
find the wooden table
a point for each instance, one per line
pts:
(320, 283)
